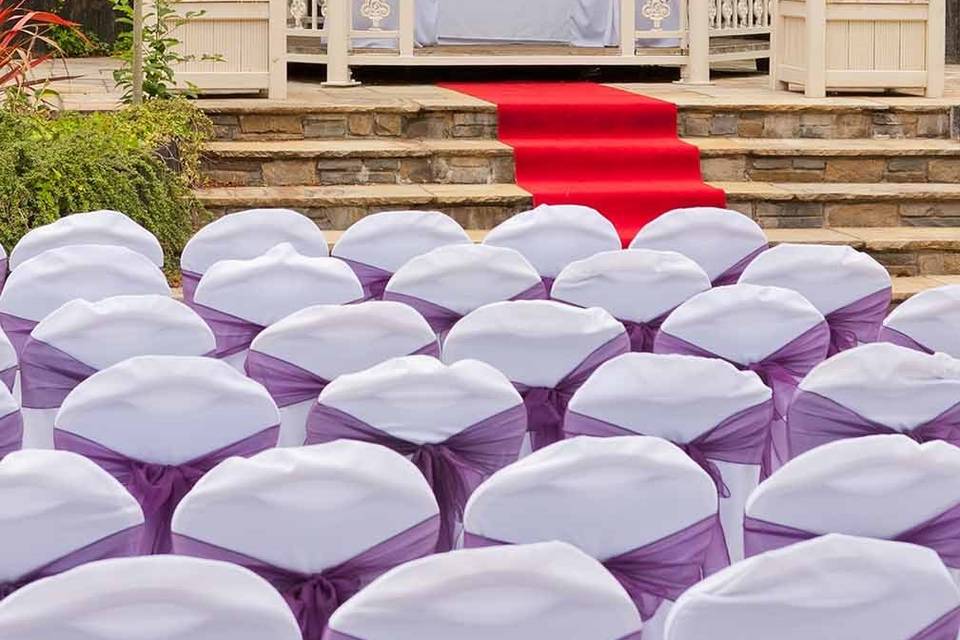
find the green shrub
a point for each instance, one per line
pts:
(78, 43)
(141, 161)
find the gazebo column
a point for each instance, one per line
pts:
(338, 18)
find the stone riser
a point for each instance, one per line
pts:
(435, 168)
(799, 168)
(846, 213)
(812, 122)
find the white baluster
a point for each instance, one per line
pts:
(698, 21)
(338, 18)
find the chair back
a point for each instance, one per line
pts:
(926, 322)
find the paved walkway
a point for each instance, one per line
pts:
(94, 89)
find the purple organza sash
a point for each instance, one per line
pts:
(947, 627)
(8, 377)
(644, 334)
(158, 487)
(11, 433)
(290, 384)
(859, 322)
(940, 533)
(373, 279)
(740, 439)
(17, 330)
(48, 374)
(333, 634)
(441, 319)
(781, 371)
(4, 263)
(816, 420)
(548, 284)
(453, 468)
(314, 597)
(189, 281)
(117, 545)
(233, 334)
(547, 406)
(661, 570)
(733, 273)
(903, 340)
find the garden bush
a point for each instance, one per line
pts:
(139, 160)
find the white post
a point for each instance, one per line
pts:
(628, 28)
(408, 25)
(816, 84)
(698, 37)
(136, 66)
(936, 47)
(338, 19)
(278, 50)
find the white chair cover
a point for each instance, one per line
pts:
(166, 411)
(331, 340)
(833, 588)
(100, 334)
(93, 227)
(834, 279)
(11, 422)
(265, 289)
(719, 240)
(54, 503)
(527, 592)
(899, 390)
(248, 234)
(679, 398)
(553, 236)
(87, 272)
(463, 278)
(147, 599)
(929, 320)
(606, 496)
(638, 287)
(849, 486)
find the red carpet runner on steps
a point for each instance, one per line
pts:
(584, 143)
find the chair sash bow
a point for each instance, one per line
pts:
(858, 322)
(373, 279)
(48, 374)
(233, 334)
(11, 433)
(17, 330)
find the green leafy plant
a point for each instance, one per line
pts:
(160, 49)
(78, 43)
(51, 166)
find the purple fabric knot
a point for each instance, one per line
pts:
(733, 273)
(373, 279)
(157, 487)
(644, 334)
(314, 597)
(660, 570)
(17, 330)
(453, 468)
(233, 334)
(48, 374)
(888, 334)
(8, 377)
(858, 322)
(700, 457)
(546, 406)
(189, 281)
(548, 284)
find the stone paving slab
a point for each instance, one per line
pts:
(717, 146)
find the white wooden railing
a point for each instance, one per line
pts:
(684, 30)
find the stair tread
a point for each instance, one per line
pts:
(351, 147)
(833, 191)
(386, 194)
(779, 147)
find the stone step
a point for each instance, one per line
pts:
(814, 205)
(475, 206)
(360, 161)
(811, 160)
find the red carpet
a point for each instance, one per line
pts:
(584, 143)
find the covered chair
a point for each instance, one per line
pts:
(639, 505)
(877, 389)
(147, 599)
(88, 272)
(81, 337)
(158, 423)
(11, 423)
(837, 587)
(772, 331)
(525, 592)
(848, 487)
(244, 235)
(59, 510)
(458, 423)
(719, 416)
(547, 349)
(110, 228)
(9, 365)
(639, 288)
(927, 322)
(722, 241)
(4, 266)
(297, 357)
(450, 282)
(554, 235)
(319, 523)
(377, 245)
(240, 298)
(851, 289)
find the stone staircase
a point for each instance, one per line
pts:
(885, 180)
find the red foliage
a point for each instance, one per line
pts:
(22, 31)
